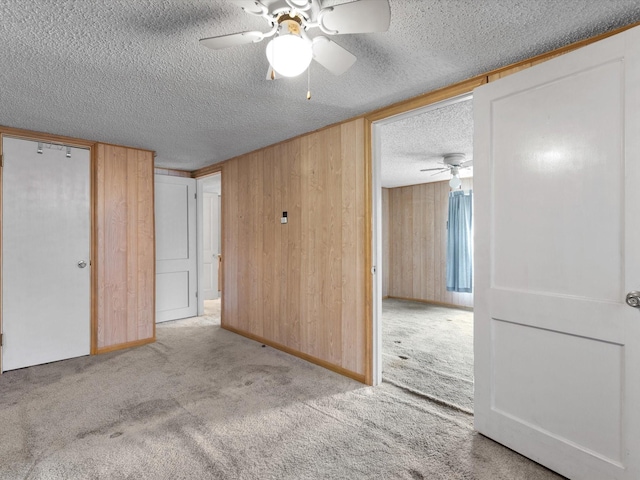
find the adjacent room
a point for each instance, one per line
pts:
(427, 317)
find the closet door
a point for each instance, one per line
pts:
(45, 253)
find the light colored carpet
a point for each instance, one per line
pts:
(429, 349)
(203, 403)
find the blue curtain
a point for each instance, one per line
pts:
(460, 242)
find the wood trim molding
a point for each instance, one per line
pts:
(122, 346)
(171, 172)
(428, 98)
(368, 284)
(46, 137)
(210, 169)
(309, 358)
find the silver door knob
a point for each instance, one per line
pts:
(633, 299)
(82, 264)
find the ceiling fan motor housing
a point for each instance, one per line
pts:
(454, 159)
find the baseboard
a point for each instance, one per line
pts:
(291, 351)
(433, 302)
(122, 346)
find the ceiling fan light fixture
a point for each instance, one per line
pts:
(455, 181)
(289, 53)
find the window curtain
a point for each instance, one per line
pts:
(460, 242)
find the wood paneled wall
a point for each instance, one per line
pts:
(385, 242)
(415, 243)
(301, 286)
(124, 270)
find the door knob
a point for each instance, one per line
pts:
(633, 299)
(82, 264)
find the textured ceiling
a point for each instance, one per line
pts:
(421, 141)
(132, 71)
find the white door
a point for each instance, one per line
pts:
(46, 313)
(210, 241)
(176, 267)
(557, 196)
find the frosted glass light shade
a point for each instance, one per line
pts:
(289, 55)
(455, 182)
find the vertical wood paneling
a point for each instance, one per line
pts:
(299, 286)
(416, 243)
(359, 292)
(291, 290)
(270, 254)
(349, 247)
(132, 243)
(146, 247)
(386, 251)
(332, 248)
(125, 264)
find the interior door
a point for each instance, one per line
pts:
(176, 266)
(45, 253)
(211, 250)
(557, 196)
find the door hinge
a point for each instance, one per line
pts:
(1, 161)
(196, 294)
(195, 195)
(1, 339)
(373, 270)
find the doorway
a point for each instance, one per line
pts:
(424, 331)
(209, 244)
(46, 245)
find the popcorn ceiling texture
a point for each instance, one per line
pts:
(133, 72)
(421, 141)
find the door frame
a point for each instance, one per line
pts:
(71, 142)
(214, 170)
(376, 219)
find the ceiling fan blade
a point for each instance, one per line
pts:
(332, 56)
(232, 40)
(434, 169)
(250, 6)
(361, 16)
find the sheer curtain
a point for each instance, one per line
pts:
(460, 242)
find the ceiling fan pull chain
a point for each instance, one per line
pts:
(309, 83)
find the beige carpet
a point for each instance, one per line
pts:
(203, 403)
(429, 349)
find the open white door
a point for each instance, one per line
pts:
(557, 197)
(176, 266)
(46, 273)
(210, 242)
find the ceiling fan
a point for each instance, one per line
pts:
(291, 50)
(453, 162)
